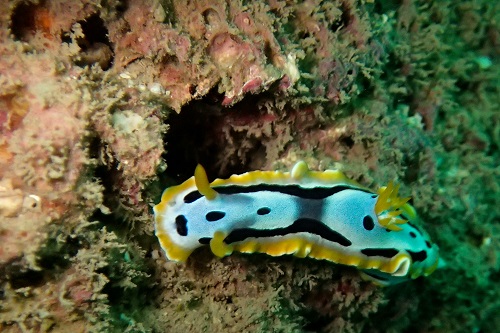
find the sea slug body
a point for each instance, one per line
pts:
(321, 215)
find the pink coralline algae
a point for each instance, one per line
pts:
(205, 54)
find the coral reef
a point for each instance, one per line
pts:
(105, 103)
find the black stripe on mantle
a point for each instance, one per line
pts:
(308, 225)
(315, 193)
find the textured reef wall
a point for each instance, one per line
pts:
(105, 103)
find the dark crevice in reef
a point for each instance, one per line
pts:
(19, 276)
(190, 137)
(198, 134)
(27, 19)
(56, 254)
(105, 174)
(94, 30)
(95, 47)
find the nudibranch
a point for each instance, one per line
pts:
(321, 215)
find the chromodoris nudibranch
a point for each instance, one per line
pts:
(321, 215)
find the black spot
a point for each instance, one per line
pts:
(181, 225)
(413, 235)
(388, 230)
(191, 197)
(214, 216)
(417, 256)
(301, 225)
(316, 193)
(428, 244)
(374, 195)
(263, 211)
(386, 253)
(204, 240)
(368, 223)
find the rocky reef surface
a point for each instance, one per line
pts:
(105, 103)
